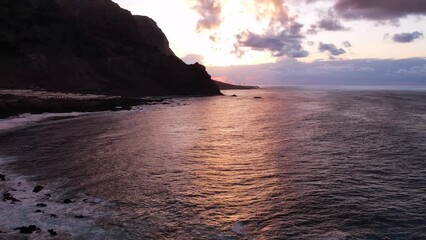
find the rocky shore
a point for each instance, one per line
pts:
(32, 211)
(15, 102)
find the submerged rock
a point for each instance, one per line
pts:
(52, 232)
(79, 216)
(2, 177)
(38, 189)
(66, 201)
(27, 230)
(8, 197)
(41, 205)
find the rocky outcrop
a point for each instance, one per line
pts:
(91, 46)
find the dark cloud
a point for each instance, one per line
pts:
(346, 44)
(379, 9)
(284, 43)
(331, 49)
(407, 37)
(209, 11)
(331, 24)
(327, 24)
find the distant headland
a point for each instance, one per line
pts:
(227, 86)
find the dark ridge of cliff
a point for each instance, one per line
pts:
(91, 46)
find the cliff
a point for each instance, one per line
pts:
(91, 46)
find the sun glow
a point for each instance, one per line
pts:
(217, 41)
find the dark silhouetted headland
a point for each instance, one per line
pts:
(91, 46)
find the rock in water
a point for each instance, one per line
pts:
(28, 230)
(91, 46)
(8, 197)
(2, 177)
(52, 232)
(38, 189)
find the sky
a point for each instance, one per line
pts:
(296, 42)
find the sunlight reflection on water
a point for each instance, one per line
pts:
(294, 164)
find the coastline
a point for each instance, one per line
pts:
(17, 102)
(41, 209)
(53, 212)
(38, 210)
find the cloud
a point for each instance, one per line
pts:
(192, 58)
(310, 43)
(209, 11)
(374, 72)
(281, 36)
(274, 10)
(412, 70)
(287, 42)
(346, 44)
(381, 10)
(327, 24)
(331, 24)
(331, 49)
(407, 37)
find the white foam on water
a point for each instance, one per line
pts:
(64, 221)
(27, 119)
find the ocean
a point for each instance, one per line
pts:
(273, 163)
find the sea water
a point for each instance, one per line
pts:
(296, 163)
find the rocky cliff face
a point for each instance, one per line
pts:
(91, 46)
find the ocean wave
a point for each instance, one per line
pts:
(25, 202)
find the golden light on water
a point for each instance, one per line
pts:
(238, 181)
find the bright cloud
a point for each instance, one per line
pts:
(272, 32)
